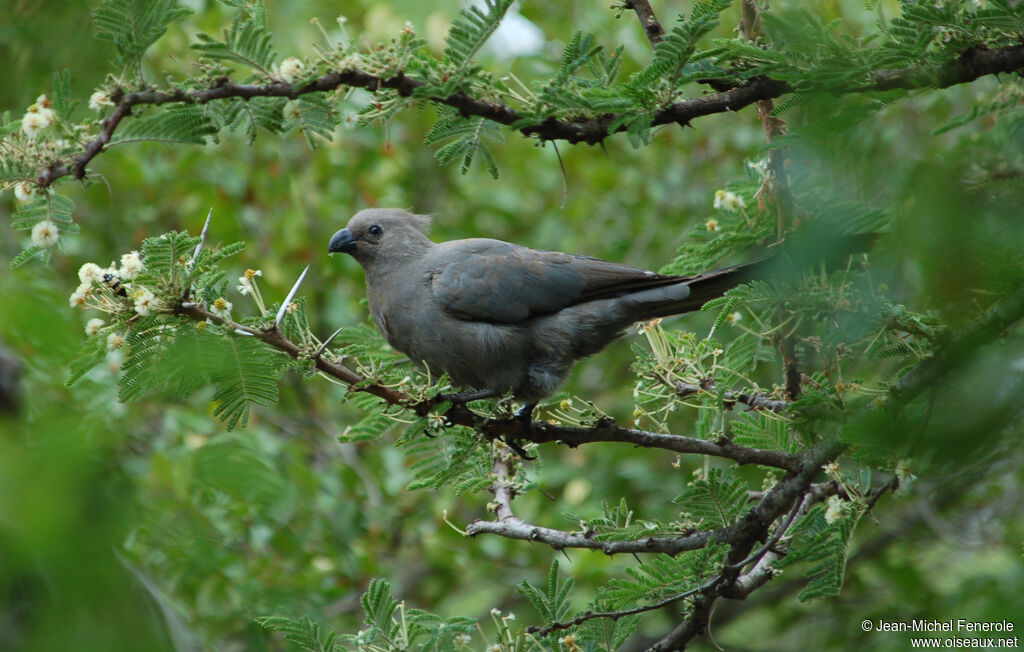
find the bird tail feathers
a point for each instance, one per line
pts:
(675, 299)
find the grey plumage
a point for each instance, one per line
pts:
(499, 316)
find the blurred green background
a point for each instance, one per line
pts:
(147, 526)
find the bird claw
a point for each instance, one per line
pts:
(513, 443)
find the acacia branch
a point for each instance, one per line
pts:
(972, 64)
(762, 558)
(609, 431)
(540, 432)
(755, 401)
(741, 535)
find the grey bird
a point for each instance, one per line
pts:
(499, 317)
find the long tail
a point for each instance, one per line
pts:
(692, 292)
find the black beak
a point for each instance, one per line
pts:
(342, 241)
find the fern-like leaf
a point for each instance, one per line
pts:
(827, 544)
(92, 353)
(466, 137)
(678, 45)
(247, 374)
(246, 42)
(715, 501)
(188, 125)
(663, 576)
(759, 431)
(379, 605)
(134, 25)
(552, 602)
(470, 30)
(302, 632)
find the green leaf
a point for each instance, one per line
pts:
(237, 470)
(134, 25)
(678, 45)
(302, 632)
(827, 544)
(553, 601)
(246, 42)
(317, 118)
(92, 353)
(470, 30)
(756, 430)
(26, 255)
(61, 96)
(247, 373)
(466, 137)
(187, 124)
(715, 501)
(379, 605)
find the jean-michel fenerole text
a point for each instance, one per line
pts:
(951, 625)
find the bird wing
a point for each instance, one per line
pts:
(491, 280)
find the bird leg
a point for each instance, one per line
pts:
(524, 416)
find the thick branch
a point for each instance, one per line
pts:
(742, 537)
(971, 65)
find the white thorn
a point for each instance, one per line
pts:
(239, 331)
(327, 342)
(288, 299)
(202, 240)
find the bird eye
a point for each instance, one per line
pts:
(375, 230)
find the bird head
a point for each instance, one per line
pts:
(378, 234)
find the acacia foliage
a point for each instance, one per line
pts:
(855, 340)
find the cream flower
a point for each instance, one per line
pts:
(131, 265)
(244, 286)
(32, 123)
(94, 326)
(25, 191)
(221, 307)
(79, 296)
(834, 509)
(98, 100)
(90, 272)
(115, 341)
(728, 201)
(290, 69)
(45, 234)
(145, 301)
(38, 117)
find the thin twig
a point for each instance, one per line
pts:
(652, 28)
(730, 399)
